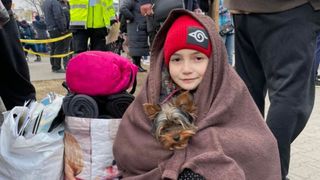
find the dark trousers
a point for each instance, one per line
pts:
(41, 48)
(152, 29)
(97, 38)
(59, 47)
(317, 55)
(275, 52)
(33, 48)
(136, 60)
(15, 87)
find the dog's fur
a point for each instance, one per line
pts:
(173, 121)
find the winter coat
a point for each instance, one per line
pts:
(41, 29)
(66, 11)
(204, 5)
(16, 87)
(136, 28)
(26, 31)
(54, 16)
(191, 4)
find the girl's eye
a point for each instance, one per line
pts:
(198, 58)
(175, 59)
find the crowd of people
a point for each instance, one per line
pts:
(140, 31)
(55, 18)
(27, 32)
(228, 72)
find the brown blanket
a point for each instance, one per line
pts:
(232, 142)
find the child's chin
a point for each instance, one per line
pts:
(188, 87)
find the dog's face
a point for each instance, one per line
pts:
(173, 122)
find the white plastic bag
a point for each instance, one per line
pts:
(88, 148)
(37, 157)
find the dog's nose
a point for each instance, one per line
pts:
(176, 137)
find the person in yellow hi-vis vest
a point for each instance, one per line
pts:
(89, 19)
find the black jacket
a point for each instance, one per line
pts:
(54, 16)
(15, 87)
(41, 29)
(136, 28)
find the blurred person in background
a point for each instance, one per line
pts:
(90, 19)
(274, 51)
(152, 25)
(27, 32)
(66, 10)
(16, 87)
(41, 32)
(226, 30)
(226, 27)
(56, 21)
(136, 31)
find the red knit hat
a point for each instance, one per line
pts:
(186, 33)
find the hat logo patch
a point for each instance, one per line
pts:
(198, 35)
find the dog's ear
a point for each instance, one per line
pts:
(151, 110)
(185, 102)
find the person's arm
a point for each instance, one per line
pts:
(125, 9)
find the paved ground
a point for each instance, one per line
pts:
(42, 70)
(305, 153)
(305, 159)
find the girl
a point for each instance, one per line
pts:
(232, 140)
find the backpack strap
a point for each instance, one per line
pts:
(134, 85)
(64, 84)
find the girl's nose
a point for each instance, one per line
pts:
(186, 67)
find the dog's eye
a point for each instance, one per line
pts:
(164, 131)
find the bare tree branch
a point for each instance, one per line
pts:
(36, 4)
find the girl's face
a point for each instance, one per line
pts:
(187, 68)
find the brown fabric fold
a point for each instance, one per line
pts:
(232, 141)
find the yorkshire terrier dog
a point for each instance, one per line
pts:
(173, 121)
